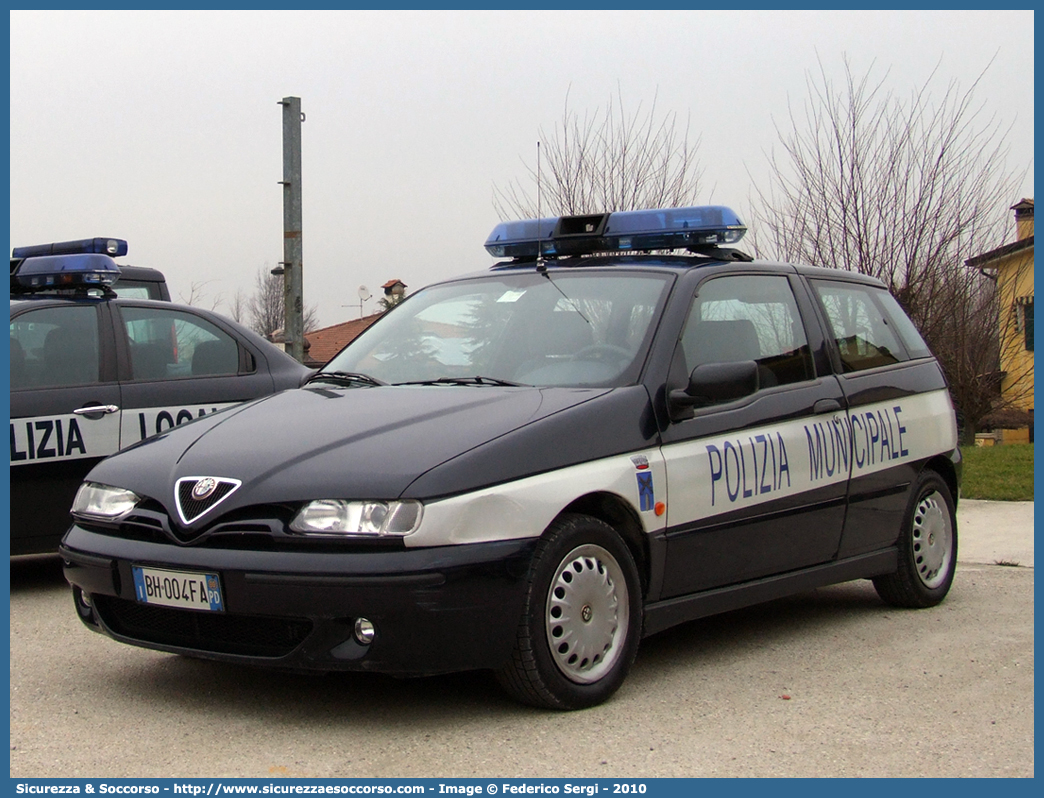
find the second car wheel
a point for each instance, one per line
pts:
(927, 547)
(582, 618)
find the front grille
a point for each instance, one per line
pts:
(191, 507)
(221, 633)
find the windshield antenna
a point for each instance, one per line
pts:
(541, 267)
(540, 234)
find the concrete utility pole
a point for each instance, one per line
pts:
(293, 284)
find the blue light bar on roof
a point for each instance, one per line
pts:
(64, 271)
(696, 228)
(521, 239)
(113, 247)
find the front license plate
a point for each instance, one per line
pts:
(184, 589)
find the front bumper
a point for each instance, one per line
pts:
(435, 610)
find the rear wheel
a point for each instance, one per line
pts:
(927, 547)
(581, 622)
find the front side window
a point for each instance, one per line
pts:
(859, 318)
(590, 328)
(171, 344)
(749, 317)
(55, 347)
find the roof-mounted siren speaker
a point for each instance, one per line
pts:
(579, 235)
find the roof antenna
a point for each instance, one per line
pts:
(540, 267)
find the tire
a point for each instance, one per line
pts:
(581, 621)
(927, 547)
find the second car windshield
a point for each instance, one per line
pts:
(553, 329)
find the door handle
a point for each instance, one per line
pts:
(826, 406)
(95, 412)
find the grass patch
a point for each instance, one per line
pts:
(1001, 473)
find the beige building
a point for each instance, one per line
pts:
(1012, 266)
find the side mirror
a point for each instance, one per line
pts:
(712, 383)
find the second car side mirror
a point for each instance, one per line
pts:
(712, 383)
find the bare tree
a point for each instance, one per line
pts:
(197, 296)
(265, 306)
(237, 306)
(965, 340)
(906, 191)
(606, 161)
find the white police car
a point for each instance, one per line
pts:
(529, 469)
(92, 373)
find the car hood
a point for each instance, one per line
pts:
(369, 443)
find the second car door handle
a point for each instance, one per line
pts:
(96, 411)
(826, 406)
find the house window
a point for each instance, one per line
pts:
(1024, 320)
(1027, 323)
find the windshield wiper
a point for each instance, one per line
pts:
(349, 378)
(466, 381)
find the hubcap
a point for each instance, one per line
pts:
(587, 614)
(932, 539)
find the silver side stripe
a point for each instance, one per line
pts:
(76, 436)
(699, 479)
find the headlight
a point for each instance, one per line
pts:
(103, 501)
(339, 517)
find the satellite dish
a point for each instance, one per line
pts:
(364, 292)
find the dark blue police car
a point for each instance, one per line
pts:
(96, 366)
(532, 468)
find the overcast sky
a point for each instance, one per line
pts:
(163, 127)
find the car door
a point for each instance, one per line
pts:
(177, 364)
(755, 485)
(900, 413)
(65, 413)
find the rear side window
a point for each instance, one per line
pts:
(868, 326)
(133, 289)
(911, 338)
(169, 344)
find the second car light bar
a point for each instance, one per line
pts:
(64, 271)
(113, 247)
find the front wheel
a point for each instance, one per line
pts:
(582, 618)
(927, 547)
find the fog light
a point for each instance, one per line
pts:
(364, 631)
(82, 602)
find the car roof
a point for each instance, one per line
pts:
(59, 299)
(143, 273)
(676, 264)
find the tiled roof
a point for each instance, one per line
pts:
(328, 341)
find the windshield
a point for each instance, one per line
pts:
(573, 329)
